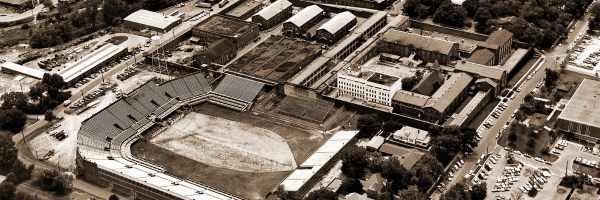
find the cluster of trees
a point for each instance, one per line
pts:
(443, 11)
(460, 191)
(410, 183)
(369, 125)
(409, 82)
(537, 22)
(447, 142)
(531, 106)
(552, 77)
(45, 95)
(18, 171)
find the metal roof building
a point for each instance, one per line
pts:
(142, 19)
(20, 69)
(91, 62)
(338, 22)
(273, 14)
(305, 19)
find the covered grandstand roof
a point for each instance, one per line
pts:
(152, 19)
(419, 42)
(305, 15)
(39, 74)
(90, 61)
(481, 70)
(450, 90)
(581, 108)
(239, 88)
(273, 9)
(337, 22)
(481, 56)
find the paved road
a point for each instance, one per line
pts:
(19, 16)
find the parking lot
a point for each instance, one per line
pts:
(586, 55)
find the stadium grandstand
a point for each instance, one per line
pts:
(104, 139)
(312, 110)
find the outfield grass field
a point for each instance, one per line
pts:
(251, 185)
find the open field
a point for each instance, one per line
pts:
(228, 144)
(253, 185)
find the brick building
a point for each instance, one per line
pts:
(273, 14)
(219, 52)
(219, 26)
(245, 10)
(304, 20)
(427, 49)
(336, 28)
(500, 43)
(581, 115)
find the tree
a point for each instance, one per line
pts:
(395, 173)
(557, 96)
(322, 194)
(483, 15)
(354, 161)
(13, 99)
(48, 4)
(13, 120)
(445, 146)
(531, 143)
(528, 98)
(421, 11)
(412, 193)
(468, 141)
(26, 196)
(53, 80)
(551, 77)
(471, 7)
(368, 126)
(410, 6)
(22, 172)
(7, 190)
(282, 194)
(479, 191)
(456, 192)
(532, 35)
(350, 185)
(37, 90)
(451, 15)
(52, 180)
(113, 197)
(8, 152)
(11, 177)
(517, 26)
(591, 26)
(512, 136)
(49, 116)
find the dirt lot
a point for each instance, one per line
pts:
(8, 84)
(228, 144)
(302, 144)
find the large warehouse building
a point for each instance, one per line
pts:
(582, 114)
(304, 20)
(12, 68)
(158, 22)
(92, 63)
(336, 28)
(245, 10)
(219, 26)
(273, 14)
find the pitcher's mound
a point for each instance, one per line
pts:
(229, 144)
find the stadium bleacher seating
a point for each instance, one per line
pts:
(313, 110)
(236, 92)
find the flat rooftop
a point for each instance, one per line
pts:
(39, 74)
(243, 8)
(225, 25)
(150, 18)
(581, 108)
(514, 59)
(383, 79)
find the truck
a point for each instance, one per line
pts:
(203, 5)
(67, 102)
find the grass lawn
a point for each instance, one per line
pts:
(246, 184)
(567, 76)
(523, 135)
(483, 113)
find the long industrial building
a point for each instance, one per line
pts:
(336, 28)
(273, 14)
(304, 20)
(154, 21)
(91, 63)
(12, 68)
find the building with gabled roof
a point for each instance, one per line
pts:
(427, 49)
(500, 43)
(482, 71)
(429, 83)
(336, 28)
(408, 157)
(158, 22)
(483, 57)
(374, 182)
(356, 196)
(304, 20)
(219, 52)
(273, 14)
(245, 10)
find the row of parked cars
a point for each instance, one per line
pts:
(560, 145)
(454, 168)
(536, 181)
(91, 96)
(508, 177)
(127, 73)
(585, 162)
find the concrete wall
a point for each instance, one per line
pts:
(447, 30)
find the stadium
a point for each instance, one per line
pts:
(158, 142)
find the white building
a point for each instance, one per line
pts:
(373, 86)
(413, 136)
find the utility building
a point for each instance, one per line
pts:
(336, 28)
(245, 10)
(273, 14)
(219, 52)
(304, 20)
(220, 26)
(154, 21)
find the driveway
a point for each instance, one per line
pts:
(19, 16)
